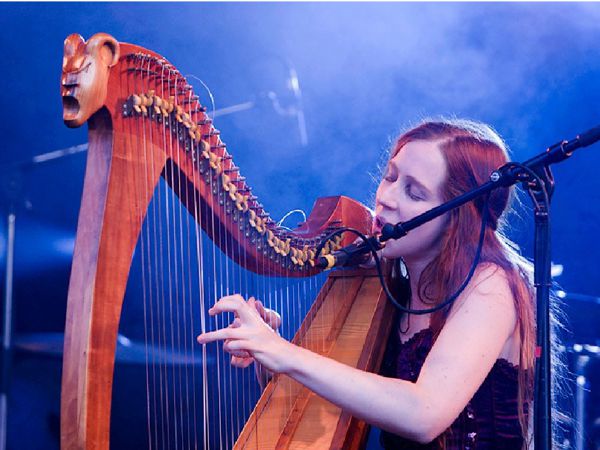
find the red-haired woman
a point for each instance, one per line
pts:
(458, 378)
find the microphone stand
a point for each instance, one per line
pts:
(537, 179)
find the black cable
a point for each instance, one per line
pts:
(484, 216)
(389, 295)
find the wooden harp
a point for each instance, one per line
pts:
(145, 123)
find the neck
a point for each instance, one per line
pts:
(415, 269)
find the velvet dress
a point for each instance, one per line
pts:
(489, 421)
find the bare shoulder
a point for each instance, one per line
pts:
(489, 288)
(488, 304)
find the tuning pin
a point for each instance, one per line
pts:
(270, 238)
(241, 202)
(252, 218)
(311, 257)
(225, 180)
(214, 161)
(157, 103)
(143, 102)
(232, 191)
(205, 148)
(137, 102)
(171, 104)
(178, 113)
(280, 246)
(185, 118)
(294, 255)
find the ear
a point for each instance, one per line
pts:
(73, 45)
(105, 47)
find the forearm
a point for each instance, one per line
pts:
(394, 405)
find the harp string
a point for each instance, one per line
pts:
(174, 294)
(152, 268)
(148, 315)
(182, 329)
(152, 272)
(171, 277)
(181, 299)
(184, 195)
(217, 290)
(197, 224)
(161, 272)
(206, 411)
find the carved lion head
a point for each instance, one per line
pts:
(85, 70)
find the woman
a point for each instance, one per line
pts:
(457, 378)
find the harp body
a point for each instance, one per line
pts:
(145, 123)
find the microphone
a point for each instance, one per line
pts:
(351, 255)
(298, 110)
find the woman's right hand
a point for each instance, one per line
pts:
(270, 317)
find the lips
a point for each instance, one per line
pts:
(70, 107)
(378, 224)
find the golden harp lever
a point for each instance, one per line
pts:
(145, 123)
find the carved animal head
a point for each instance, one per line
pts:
(85, 70)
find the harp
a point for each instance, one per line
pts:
(146, 125)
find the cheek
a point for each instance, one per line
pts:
(421, 241)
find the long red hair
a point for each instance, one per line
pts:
(472, 152)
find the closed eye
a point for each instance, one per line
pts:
(412, 194)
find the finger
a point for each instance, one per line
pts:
(242, 363)
(257, 306)
(236, 323)
(218, 335)
(235, 346)
(232, 303)
(238, 353)
(272, 318)
(229, 347)
(260, 308)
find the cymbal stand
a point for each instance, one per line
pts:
(11, 190)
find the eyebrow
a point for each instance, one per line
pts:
(413, 180)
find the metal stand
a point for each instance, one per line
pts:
(581, 390)
(541, 195)
(7, 327)
(11, 196)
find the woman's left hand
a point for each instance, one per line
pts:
(248, 336)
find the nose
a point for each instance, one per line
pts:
(70, 80)
(385, 197)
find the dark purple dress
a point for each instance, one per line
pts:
(489, 421)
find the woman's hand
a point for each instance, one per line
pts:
(251, 336)
(243, 359)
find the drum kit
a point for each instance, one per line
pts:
(581, 344)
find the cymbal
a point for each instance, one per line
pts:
(127, 351)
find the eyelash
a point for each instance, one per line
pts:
(410, 194)
(391, 179)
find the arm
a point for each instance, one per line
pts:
(481, 322)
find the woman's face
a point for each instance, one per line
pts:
(412, 185)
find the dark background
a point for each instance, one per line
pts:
(366, 71)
